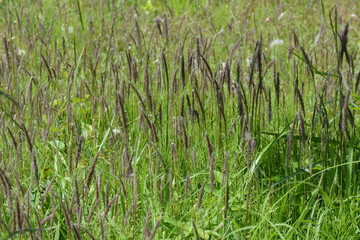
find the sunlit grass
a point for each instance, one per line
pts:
(179, 120)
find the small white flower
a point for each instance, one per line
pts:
(276, 42)
(116, 131)
(20, 52)
(70, 29)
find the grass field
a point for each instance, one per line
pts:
(179, 119)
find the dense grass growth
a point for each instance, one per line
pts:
(179, 119)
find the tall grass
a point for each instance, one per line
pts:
(170, 120)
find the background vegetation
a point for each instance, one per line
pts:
(179, 119)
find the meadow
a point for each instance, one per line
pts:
(179, 119)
